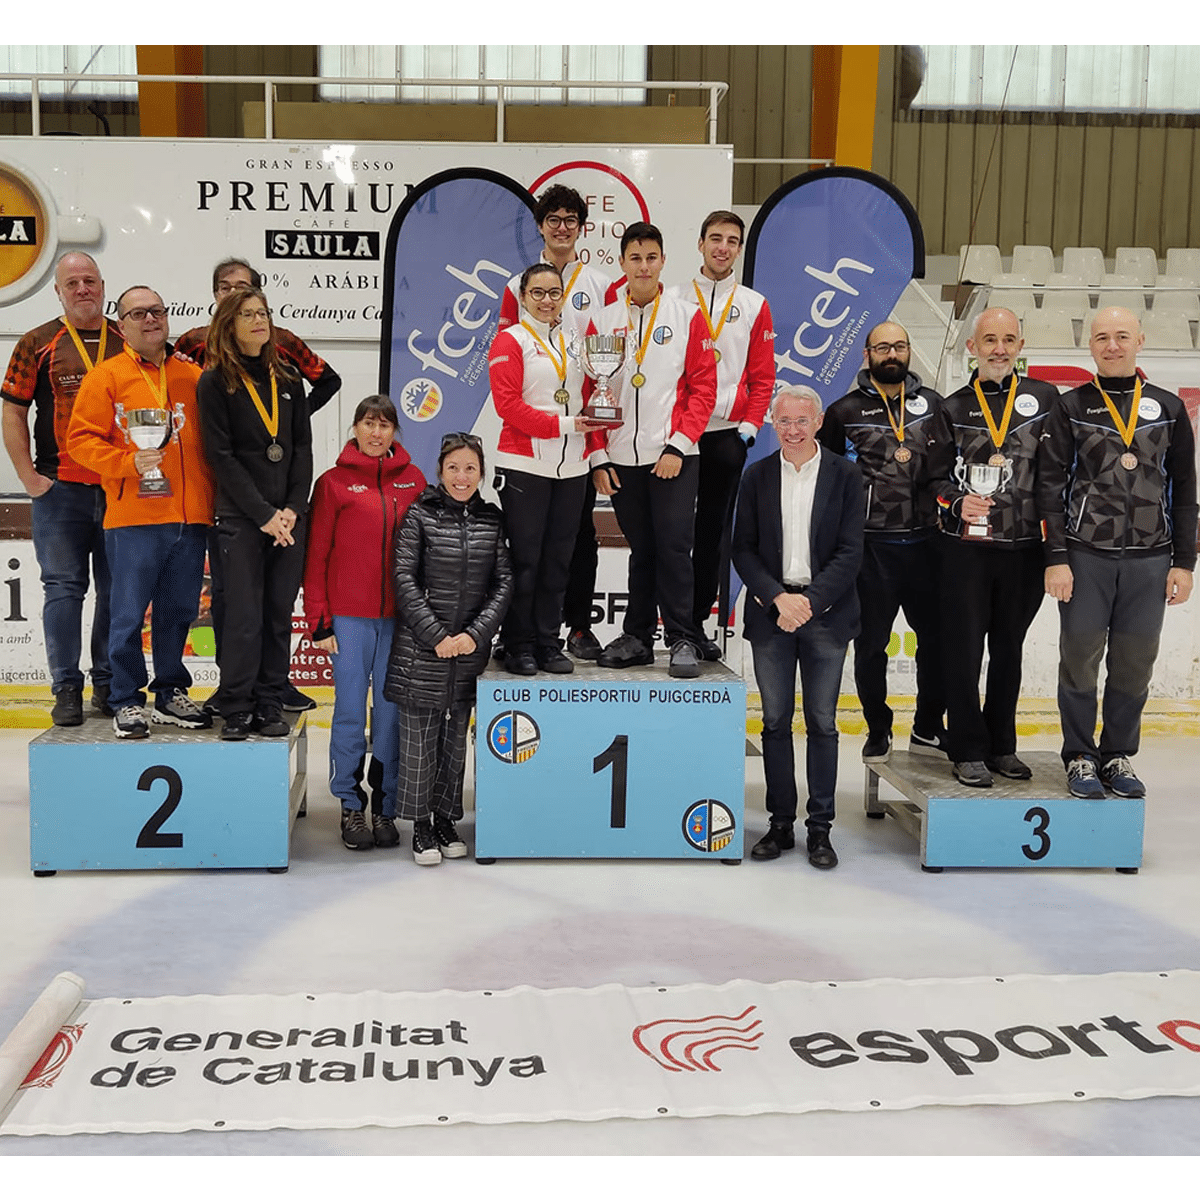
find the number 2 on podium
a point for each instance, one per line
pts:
(151, 837)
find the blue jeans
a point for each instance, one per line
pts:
(68, 531)
(359, 666)
(820, 657)
(161, 565)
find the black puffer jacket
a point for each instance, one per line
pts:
(453, 575)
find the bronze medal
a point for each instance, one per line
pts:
(903, 454)
(275, 452)
(716, 355)
(562, 396)
(1129, 461)
(997, 460)
(638, 380)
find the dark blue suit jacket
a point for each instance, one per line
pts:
(835, 545)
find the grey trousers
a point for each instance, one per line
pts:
(433, 757)
(1118, 602)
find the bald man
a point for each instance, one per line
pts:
(991, 547)
(46, 369)
(883, 425)
(1117, 493)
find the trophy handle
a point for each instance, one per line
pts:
(1006, 474)
(960, 472)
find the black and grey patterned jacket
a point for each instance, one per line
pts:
(1088, 499)
(453, 575)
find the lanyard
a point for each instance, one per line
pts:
(898, 430)
(640, 353)
(87, 362)
(159, 392)
(1124, 428)
(270, 421)
(559, 367)
(998, 432)
(714, 333)
(567, 289)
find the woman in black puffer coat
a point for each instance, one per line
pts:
(453, 583)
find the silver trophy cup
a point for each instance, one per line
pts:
(603, 354)
(983, 479)
(150, 429)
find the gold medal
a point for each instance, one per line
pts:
(1129, 461)
(997, 460)
(638, 380)
(903, 454)
(275, 452)
(716, 355)
(562, 396)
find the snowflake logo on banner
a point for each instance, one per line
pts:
(49, 1067)
(689, 1045)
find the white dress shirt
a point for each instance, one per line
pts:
(798, 486)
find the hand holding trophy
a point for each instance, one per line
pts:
(150, 429)
(603, 354)
(981, 479)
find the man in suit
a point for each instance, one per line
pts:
(798, 546)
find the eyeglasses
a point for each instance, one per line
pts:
(253, 314)
(140, 314)
(793, 422)
(225, 287)
(562, 222)
(887, 347)
(453, 440)
(541, 294)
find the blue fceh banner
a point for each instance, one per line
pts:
(453, 245)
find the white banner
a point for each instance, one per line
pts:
(305, 1062)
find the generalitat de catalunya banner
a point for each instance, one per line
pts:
(342, 1061)
(453, 245)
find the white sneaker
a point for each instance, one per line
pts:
(130, 722)
(178, 708)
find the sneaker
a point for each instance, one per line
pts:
(878, 747)
(295, 700)
(626, 651)
(973, 774)
(777, 839)
(450, 844)
(425, 849)
(709, 650)
(100, 702)
(130, 722)
(1010, 766)
(934, 746)
(355, 834)
(178, 708)
(68, 705)
(583, 645)
(820, 853)
(684, 663)
(384, 831)
(268, 720)
(499, 653)
(238, 727)
(520, 662)
(1082, 780)
(1117, 775)
(553, 661)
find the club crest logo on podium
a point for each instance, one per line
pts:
(709, 825)
(421, 399)
(513, 736)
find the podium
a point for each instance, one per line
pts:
(180, 799)
(1015, 823)
(610, 764)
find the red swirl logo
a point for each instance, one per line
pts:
(689, 1045)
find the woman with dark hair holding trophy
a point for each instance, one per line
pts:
(542, 468)
(254, 419)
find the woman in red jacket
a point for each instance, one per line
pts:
(350, 610)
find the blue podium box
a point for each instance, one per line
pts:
(610, 764)
(1014, 823)
(179, 799)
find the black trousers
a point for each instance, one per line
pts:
(990, 594)
(585, 559)
(261, 582)
(541, 517)
(722, 457)
(657, 518)
(898, 576)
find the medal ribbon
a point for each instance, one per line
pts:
(567, 289)
(714, 333)
(87, 362)
(272, 421)
(159, 392)
(998, 432)
(640, 353)
(1125, 429)
(559, 367)
(898, 430)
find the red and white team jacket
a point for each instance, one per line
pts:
(746, 372)
(587, 292)
(539, 433)
(673, 406)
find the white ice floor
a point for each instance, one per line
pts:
(347, 922)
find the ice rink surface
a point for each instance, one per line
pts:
(343, 922)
